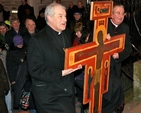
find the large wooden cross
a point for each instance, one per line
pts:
(95, 56)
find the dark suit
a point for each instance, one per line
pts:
(52, 92)
(115, 95)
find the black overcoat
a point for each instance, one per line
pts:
(115, 95)
(52, 92)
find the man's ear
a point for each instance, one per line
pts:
(49, 18)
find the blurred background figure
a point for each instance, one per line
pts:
(31, 30)
(77, 18)
(70, 11)
(4, 15)
(58, 1)
(40, 22)
(81, 7)
(14, 58)
(15, 29)
(4, 88)
(3, 30)
(28, 14)
(3, 51)
(22, 10)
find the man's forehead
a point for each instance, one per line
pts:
(118, 8)
(2, 26)
(60, 12)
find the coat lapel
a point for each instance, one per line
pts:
(54, 39)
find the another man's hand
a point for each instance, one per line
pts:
(108, 36)
(115, 56)
(69, 71)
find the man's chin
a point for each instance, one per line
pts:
(63, 28)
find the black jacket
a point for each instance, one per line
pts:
(45, 58)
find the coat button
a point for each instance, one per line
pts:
(65, 89)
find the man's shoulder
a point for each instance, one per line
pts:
(20, 7)
(124, 26)
(42, 33)
(9, 32)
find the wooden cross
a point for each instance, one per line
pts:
(95, 56)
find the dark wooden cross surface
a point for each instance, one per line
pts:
(95, 56)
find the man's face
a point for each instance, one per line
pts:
(58, 20)
(118, 15)
(23, 2)
(16, 25)
(30, 25)
(3, 30)
(70, 4)
(77, 16)
(79, 5)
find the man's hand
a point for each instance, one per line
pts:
(69, 71)
(13, 85)
(108, 36)
(115, 56)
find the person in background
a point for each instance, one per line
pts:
(15, 30)
(4, 88)
(31, 30)
(3, 52)
(113, 100)
(58, 1)
(77, 18)
(4, 15)
(70, 12)
(28, 14)
(78, 33)
(3, 30)
(81, 7)
(40, 22)
(22, 11)
(23, 80)
(52, 86)
(14, 58)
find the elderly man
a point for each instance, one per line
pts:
(113, 100)
(52, 86)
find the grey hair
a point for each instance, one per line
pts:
(50, 9)
(117, 5)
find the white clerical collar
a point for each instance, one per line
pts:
(59, 33)
(114, 23)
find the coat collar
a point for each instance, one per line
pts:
(57, 39)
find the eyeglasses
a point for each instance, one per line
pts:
(118, 13)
